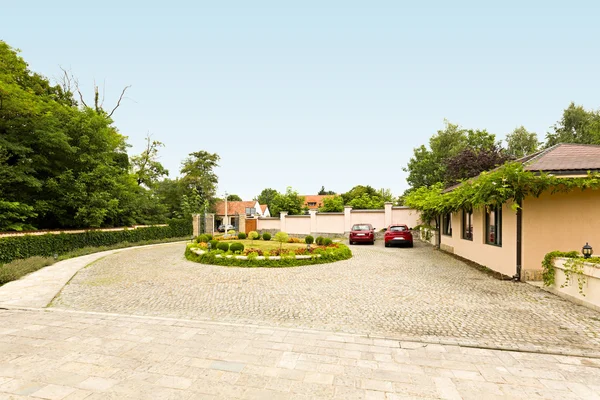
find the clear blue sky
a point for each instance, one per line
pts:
(333, 93)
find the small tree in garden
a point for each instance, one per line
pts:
(253, 235)
(282, 238)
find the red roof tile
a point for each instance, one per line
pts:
(233, 207)
(566, 157)
(317, 199)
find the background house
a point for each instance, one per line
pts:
(251, 209)
(313, 202)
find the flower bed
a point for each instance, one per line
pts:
(271, 259)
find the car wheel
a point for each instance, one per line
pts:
(372, 243)
(351, 243)
(387, 245)
(410, 245)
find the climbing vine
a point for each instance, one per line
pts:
(573, 266)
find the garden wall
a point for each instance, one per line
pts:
(591, 287)
(338, 223)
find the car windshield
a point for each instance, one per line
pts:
(361, 228)
(398, 228)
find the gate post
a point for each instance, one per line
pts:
(242, 224)
(209, 224)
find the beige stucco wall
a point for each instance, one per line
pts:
(377, 219)
(267, 223)
(297, 224)
(500, 259)
(329, 223)
(561, 221)
(591, 286)
(405, 216)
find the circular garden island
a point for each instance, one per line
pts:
(254, 250)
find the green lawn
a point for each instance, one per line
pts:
(266, 244)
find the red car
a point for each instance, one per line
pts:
(362, 233)
(398, 234)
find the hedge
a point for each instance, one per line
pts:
(18, 247)
(333, 254)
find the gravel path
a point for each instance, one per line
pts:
(403, 293)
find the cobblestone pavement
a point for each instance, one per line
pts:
(77, 355)
(399, 293)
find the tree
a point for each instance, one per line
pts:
(521, 142)
(234, 197)
(366, 197)
(169, 193)
(332, 204)
(198, 172)
(427, 166)
(291, 202)
(576, 126)
(146, 167)
(469, 163)
(324, 192)
(282, 238)
(266, 197)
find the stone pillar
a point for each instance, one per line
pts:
(209, 224)
(388, 214)
(242, 223)
(347, 219)
(195, 224)
(313, 221)
(282, 216)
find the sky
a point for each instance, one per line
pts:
(315, 93)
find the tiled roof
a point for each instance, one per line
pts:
(318, 199)
(263, 208)
(233, 207)
(565, 157)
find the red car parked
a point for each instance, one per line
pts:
(398, 234)
(362, 233)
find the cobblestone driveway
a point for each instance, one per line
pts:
(397, 293)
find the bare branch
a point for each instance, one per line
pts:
(103, 92)
(119, 102)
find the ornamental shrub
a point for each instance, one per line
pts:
(294, 240)
(223, 246)
(202, 239)
(327, 242)
(266, 236)
(309, 239)
(209, 236)
(19, 247)
(253, 235)
(213, 244)
(241, 235)
(236, 247)
(319, 240)
(282, 238)
(231, 232)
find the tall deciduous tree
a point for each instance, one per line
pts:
(266, 197)
(324, 192)
(332, 204)
(234, 197)
(469, 163)
(291, 202)
(520, 142)
(577, 125)
(198, 172)
(146, 167)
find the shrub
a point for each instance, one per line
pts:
(209, 236)
(266, 236)
(253, 235)
(231, 232)
(224, 246)
(319, 240)
(282, 238)
(20, 247)
(309, 239)
(18, 268)
(327, 242)
(241, 235)
(294, 240)
(213, 244)
(202, 239)
(236, 247)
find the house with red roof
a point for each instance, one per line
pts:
(313, 202)
(228, 212)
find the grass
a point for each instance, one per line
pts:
(266, 245)
(19, 268)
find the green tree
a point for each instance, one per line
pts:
(146, 167)
(198, 172)
(332, 204)
(324, 192)
(291, 202)
(169, 193)
(266, 197)
(577, 125)
(234, 197)
(521, 143)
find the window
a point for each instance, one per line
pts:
(399, 228)
(312, 203)
(493, 226)
(467, 224)
(447, 224)
(363, 227)
(250, 210)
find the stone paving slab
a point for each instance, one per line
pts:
(37, 289)
(416, 294)
(50, 354)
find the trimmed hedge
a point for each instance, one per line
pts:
(213, 244)
(319, 240)
(328, 255)
(241, 235)
(266, 236)
(327, 242)
(236, 247)
(223, 246)
(309, 239)
(18, 247)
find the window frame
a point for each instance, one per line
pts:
(464, 233)
(447, 222)
(497, 225)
